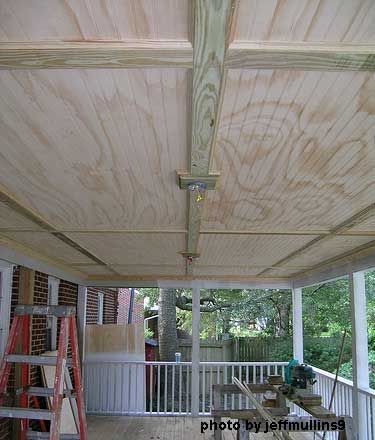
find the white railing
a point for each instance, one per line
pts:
(164, 388)
(342, 402)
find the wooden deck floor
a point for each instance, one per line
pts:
(160, 428)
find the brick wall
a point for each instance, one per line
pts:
(110, 306)
(124, 304)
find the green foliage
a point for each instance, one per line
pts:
(149, 334)
(346, 369)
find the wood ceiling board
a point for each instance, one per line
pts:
(92, 269)
(226, 250)
(295, 150)
(367, 225)
(25, 20)
(9, 219)
(159, 249)
(130, 127)
(224, 270)
(47, 244)
(328, 249)
(306, 20)
(142, 269)
(283, 272)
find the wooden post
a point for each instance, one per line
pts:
(6, 275)
(297, 324)
(195, 353)
(359, 352)
(81, 322)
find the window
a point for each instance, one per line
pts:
(53, 300)
(100, 308)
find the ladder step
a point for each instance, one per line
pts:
(35, 435)
(34, 360)
(59, 311)
(25, 413)
(44, 392)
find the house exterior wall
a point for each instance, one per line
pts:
(124, 304)
(68, 295)
(110, 306)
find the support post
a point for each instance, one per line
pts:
(81, 321)
(6, 276)
(297, 324)
(195, 353)
(359, 352)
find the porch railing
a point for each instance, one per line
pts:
(164, 388)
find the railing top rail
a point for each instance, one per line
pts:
(243, 364)
(367, 391)
(122, 361)
(332, 376)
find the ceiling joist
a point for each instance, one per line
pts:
(179, 53)
(301, 56)
(97, 54)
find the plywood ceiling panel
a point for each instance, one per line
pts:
(328, 249)
(306, 20)
(255, 250)
(95, 149)
(367, 225)
(22, 20)
(9, 219)
(124, 249)
(93, 269)
(200, 270)
(149, 270)
(48, 245)
(295, 150)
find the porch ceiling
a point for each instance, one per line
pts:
(101, 103)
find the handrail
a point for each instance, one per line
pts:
(332, 376)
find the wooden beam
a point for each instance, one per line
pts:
(179, 53)
(96, 54)
(301, 56)
(212, 22)
(184, 179)
(349, 223)
(34, 217)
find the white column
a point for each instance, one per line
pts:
(195, 353)
(81, 320)
(359, 351)
(297, 324)
(6, 277)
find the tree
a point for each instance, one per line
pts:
(167, 324)
(168, 300)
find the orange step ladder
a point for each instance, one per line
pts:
(68, 330)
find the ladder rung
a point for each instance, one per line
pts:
(44, 392)
(45, 435)
(25, 413)
(59, 311)
(34, 360)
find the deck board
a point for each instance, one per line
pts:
(160, 428)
